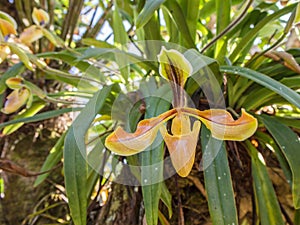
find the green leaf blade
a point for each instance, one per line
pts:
(266, 81)
(149, 8)
(217, 179)
(152, 159)
(289, 143)
(268, 207)
(75, 164)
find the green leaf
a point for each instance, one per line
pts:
(289, 143)
(177, 14)
(253, 32)
(96, 43)
(287, 93)
(149, 8)
(34, 109)
(75, 165)
(217, 179)
(152, 158)
(40, 116)
(15, 49)
(166, 198)
(120, 39)
(69, 58)
(269, 142)
(55, 155)
(260, 95)
(223, 9)
(97, 159)
(268, 207)
(191, 11)
(13, 71)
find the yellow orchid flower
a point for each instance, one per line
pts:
(15, 100)
(31, 34)
(7, 25)
(40, 17)
(4, 51)
(182, 140)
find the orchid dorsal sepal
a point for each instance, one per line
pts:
(175, 68)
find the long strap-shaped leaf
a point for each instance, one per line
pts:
(289, 143)
(268, 207)
(217, 177)
(147, 12)
(40, 116)
(152, 164)
(281, 89)
(75, 165)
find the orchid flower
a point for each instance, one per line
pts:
(18, 97)
(8, 27)
(182, 139)
(35, 32)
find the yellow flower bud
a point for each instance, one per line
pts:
(14, 82)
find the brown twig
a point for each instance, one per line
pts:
(198, 185)
(9, 166)
(180, 210)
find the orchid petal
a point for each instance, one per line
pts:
(40, 17)
(14, 83)
(182, 147)
(31, 34)
(174, 66)
(223, 126)
(4, 51)
(6, 28)
(9, 19)
(16, 100)
(125, 144)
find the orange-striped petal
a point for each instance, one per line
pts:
(124, 143)
(223, 126)
(182, 143)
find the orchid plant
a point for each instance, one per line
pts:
(182, 140)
